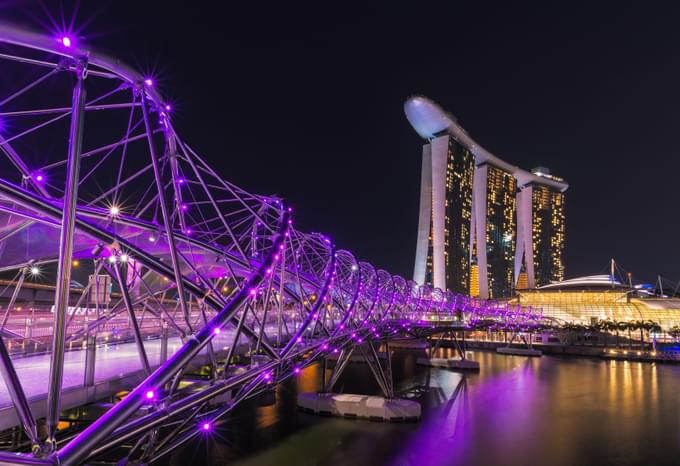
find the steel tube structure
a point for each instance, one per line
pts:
(65, 253)
(214, 264)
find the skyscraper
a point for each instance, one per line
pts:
(542, 235)
(482, 220)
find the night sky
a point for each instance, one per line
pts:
(307, 102)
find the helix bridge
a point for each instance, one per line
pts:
(118, 240)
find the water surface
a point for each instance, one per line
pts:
(515, 411)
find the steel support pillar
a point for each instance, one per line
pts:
(340, 364)
(164, 341)
(172, 247)
(65, 255)
(90, 357)
(133, 319)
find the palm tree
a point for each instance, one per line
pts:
(621, 326)
(605, 326)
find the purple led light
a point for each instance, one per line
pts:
(148, 82)
(267, 376)
(168, 107)
(206, 427)
(39, 178)
(216, 331)
(253, 292)
(150, 395)
(296, 370)
(66, 41)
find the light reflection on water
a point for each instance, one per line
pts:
(515, 411)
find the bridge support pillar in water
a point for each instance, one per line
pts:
(460, 363)
(527, 350)
(385, 408)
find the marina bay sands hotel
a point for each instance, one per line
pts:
(486, 227)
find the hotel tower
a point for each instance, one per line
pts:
(486, 227)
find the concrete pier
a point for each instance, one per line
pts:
(459, 364)
(374, 408)
(519, 351)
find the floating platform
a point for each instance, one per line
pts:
(519, 351)
(374, 408)
(460, 364)
(409, 344)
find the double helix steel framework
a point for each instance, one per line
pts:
(94, 177)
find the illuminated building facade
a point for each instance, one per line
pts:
(443, 252)
(494, 223)
(586, 300)
(542, 233)
(485, 225)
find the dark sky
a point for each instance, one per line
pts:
(307, 102)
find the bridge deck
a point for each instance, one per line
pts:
(117, 367)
